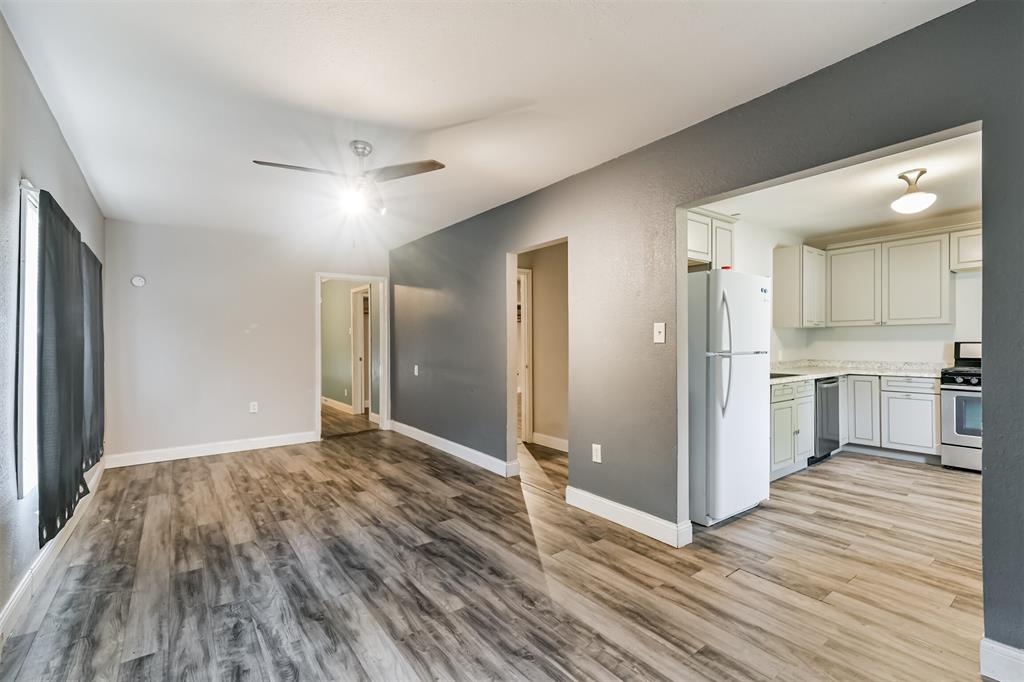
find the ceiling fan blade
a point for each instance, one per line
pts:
(304, 169)
(403, 170)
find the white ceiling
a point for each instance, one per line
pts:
(166, 104)
(859, 196)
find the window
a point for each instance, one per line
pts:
(28, 347)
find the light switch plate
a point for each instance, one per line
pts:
(659, 332)
(254, 407)
(596, 452)
(415, 370)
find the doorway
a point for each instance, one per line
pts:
(540, 387)
(351, 372)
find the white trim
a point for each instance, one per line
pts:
(358, 353)
(127, 459)
(550, 441)
(674, 534)
(524, 346)
(891, 454)
(384, 328)
(38, 574)
(1001, 662)
(482, 460)
(337, 404)
(374, 417)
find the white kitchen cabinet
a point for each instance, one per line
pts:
(863, 410)
(844, 411)
(803, 410)
(854, 292)
(965, 250)
(910, 421)
(915, 281)
(698, 236)
(722, 247)
(798, 280)
(783, 443)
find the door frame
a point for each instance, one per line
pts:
(356, 332)
(383, 333)
(512, 351)
(524, 280)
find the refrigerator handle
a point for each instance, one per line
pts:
(728, 316)
(728, 385)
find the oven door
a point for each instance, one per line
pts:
(961, 417)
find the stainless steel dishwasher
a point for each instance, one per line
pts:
(826, 410)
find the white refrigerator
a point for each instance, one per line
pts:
(729, 403)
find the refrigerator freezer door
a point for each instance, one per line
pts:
(738, 433)
(739, 312)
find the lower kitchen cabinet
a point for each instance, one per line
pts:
(792, 434)
(910, 418)
(862, 398)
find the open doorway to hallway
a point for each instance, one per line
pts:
(350, 358)
(542, 362)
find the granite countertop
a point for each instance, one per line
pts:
(805, 370)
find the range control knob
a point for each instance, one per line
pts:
(974, 380)
(959, 380)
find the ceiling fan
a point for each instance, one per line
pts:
(361, 192)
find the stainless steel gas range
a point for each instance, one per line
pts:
(961, 408)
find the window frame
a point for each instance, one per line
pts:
(27, 476)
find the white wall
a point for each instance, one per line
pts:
(752, 252)
(226, 317)
(908, 343)
(32, 147)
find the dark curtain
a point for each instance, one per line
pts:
(61, 359)
(92, 370)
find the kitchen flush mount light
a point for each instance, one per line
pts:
(913, 200)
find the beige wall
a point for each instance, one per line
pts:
(550, 267)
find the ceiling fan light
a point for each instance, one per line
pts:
(353, 200)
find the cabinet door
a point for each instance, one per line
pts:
(965, 250)
(804, 429)
(910, 421)
(862, 401)
(915, 281)
(813, 287)
(722, 252)
(698, 237)
(783, 439)
(855, 286)
(844, 411)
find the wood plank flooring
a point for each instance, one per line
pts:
(336, 422)
(544, 468)
(376, 557)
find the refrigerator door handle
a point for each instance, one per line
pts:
(728, 316)
(728, 386)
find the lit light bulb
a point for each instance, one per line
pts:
(353, 200)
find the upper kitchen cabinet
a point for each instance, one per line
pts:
(698, 236)
(798, 276)
(709, 238)
(854, 290)
(965, 250)
(915, 281)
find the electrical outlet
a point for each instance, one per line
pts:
(254, 407)
(415, 370)
(596, 452)
(346, 392)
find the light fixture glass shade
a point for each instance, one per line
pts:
(353, 200)
(913, 200)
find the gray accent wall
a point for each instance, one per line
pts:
(32, 147)
(449, 287)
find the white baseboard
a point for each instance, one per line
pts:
(375, 418)
(492, 464)
(337, 404)
(38, 574)
(900, 455)
(674, 534)
(551, 441)
(1001, 662)
(127, 459)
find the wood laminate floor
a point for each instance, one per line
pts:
(544, 468)
(337, 422)
(376, 557)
